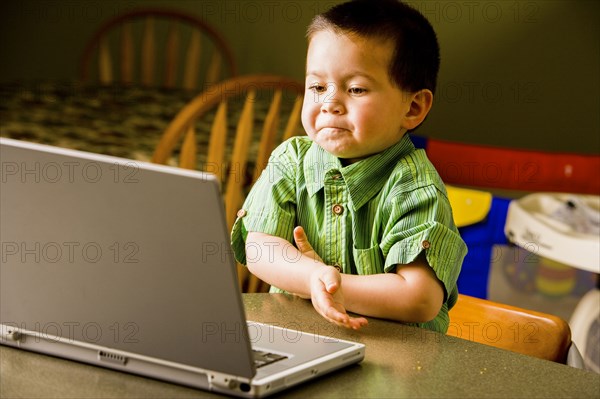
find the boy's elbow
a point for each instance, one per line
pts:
(425, 307)
(252, 265)
(427, 311)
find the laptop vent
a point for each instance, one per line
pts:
(112, 358)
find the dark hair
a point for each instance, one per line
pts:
(416, 59)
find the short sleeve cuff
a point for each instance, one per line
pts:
(277, 224)
(444, 250)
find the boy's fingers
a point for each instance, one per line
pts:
(327, 309)
(335, 315)
(302, 240)
(326, 306)
(345, 320)
(331, 280)
(357, 322)
(331, 287)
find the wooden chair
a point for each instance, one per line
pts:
(233, 146)
(519, 330)
(138, 45)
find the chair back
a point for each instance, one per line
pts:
(508, 327)
(157, 47)
(217, 133)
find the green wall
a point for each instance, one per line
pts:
(514, 73)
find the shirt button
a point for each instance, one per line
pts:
(336, 177)
(337, 209)
(241, 213)
(425, 244)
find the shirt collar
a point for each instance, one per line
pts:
(364, 178)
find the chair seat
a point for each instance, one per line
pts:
(508, 327)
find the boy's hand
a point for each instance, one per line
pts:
(326, 288)
(328, 300)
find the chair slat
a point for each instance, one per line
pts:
(215, 159)
(214, 69)
(237, 164)
(187, 158)
(172, 56)
(105, 63)
(190, 77)
(170, 60)
(294, 120)
(148, 53)
(126, 54)
(267, 139)
(254, 283)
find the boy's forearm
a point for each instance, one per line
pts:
(278, 263)
(412, 298)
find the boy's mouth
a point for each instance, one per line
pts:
(332, 126)
(332, 130)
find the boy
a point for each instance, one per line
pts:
(368, 213)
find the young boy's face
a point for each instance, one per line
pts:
(351, 108)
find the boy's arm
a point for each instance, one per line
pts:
(412, 294)
(279, 263)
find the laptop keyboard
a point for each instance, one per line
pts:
(262, 358)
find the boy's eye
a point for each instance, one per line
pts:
(357, 91)
(317, 88)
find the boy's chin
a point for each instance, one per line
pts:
(344, 157)
(346, 160)
(349, 161)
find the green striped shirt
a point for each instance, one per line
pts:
(366, 217)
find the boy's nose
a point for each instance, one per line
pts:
(332, 106)
(331, 103)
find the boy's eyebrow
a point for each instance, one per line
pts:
(346, 76)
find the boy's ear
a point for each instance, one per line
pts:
(421, 103)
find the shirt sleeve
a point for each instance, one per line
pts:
(421, 220)
(270, 207)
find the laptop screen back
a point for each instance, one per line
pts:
(121, 254)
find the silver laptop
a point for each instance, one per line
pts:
(127, 265)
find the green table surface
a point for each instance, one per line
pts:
(400, 361)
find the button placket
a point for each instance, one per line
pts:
(335, 224)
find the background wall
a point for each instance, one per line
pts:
(514, 73)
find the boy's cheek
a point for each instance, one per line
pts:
(307, 121)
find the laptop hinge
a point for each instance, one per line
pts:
(8, 333)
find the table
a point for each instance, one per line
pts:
(401, 361)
